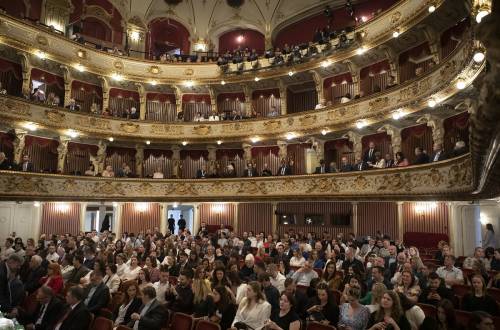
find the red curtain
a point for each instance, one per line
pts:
(374, 78)
(430, 220)
(230, 41)
(374, 216)
(416, 136)
(227, 102)
(157, 159)
(11, 77)
(192, 161)
(451, 37)
(161, 107)
(121, 100)
(297, 154)
(337, 86)
(231, 156)
(266, 155)
(265, 101)
(14, 8)
(86, 94)
(95, 28)
(42, 153)
(60, 218)
(194, 103)
(456, 128)
(336, 149)
(411, 62)
(140, 217)
(165, 35)
(301, 101)
(7, 145)
(116, 156)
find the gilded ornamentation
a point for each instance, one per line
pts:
(272, 125)
(109, 188)
(98, 12)
(252, 188)
(379, 103)
(323, 186)
(129, 127)
(55, 116)
(42, 40)
(460, 174)
(8, 105)
(308, 120)
(118, 65)
(448, 70)
(408, 93)
(290, 121)
(395, 182)
(181, 188)
(188, 72)
(98, 123)
(395, 17)
(154, 69)
(166, 129)
(202, 129)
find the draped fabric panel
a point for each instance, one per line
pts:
(374, 78)
(228, 105)
(324, 209)
(255, 217)
(297, 153)
(7, 145)
(301, 101)
(191, 108)
(264, 106)
(140, 217)
(42, 153)
(218, 213)
(121, 100)
(337, 86)
(78, 157)
(161, 107)
(416, 136)
(373, 216)
(382, 143)
(192, 161)
(86, 94)
(231, 156)
(60, 218)
(414, 62)
(53, 84)
(162, 162)
(11, 77)
(456, 128)
(116, 156)
(426, 217)
(266, 155)
(336, 149)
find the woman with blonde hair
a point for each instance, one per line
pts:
(254, 310)
(201, 290)
(377, 292)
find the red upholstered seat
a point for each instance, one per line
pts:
(319, 271)
(461, 290)
(102, 323)
(206, 325)
(182, 321)
(429, 310)
(495, 293)
(122, 327)
(463, 317)
(319, 326)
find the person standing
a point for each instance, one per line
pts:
(181, 223)
(489, 237)
(171, 224)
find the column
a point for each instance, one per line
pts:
(356, 142)
(178, 98)
(100, 158)
(213, 100)
(176, 162)
(139, 159)
(248, 100)
(283, 150)
(142, 101)
(19, 142)
(465, 227)
(355, 71)
(118, 219)
(235, 223)
(275, 220)
(62, 151)
(212, 159)
(83, 209)
(68, 80)
(437, 127)
(196, 218)
(395, 134)
(283, 100)
(430, 35)
(318, 82)
(105, 92)
(355, 218)
(247, 152)
(163, 217)
(26, 72)
(401, 229)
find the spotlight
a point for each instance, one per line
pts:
(324, 132)
(219, 142)
(290, 73)
(481, 14)
(326, 63)
(360, 50)
(30, 126)
(117, 76)
(40, 54)
(80, 67)
(432, 8)
(184, 143)
(255, 139)
(461, 84)
(115, 204)
(111, 139)
(256, 79)
(189, 83)
(223, 83)
(72, 133)
(153, 82)
(360, 124)
(36, 204)
(398, 114)
(175, 205)
(478, 57)
(395, 34)
(148, 142)
(290, 136)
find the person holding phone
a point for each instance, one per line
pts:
(390, 315)
(323, 308)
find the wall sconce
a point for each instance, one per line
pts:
(62, 207)
(217, 208)
(141, 207)
(424, 207)
(134, 35)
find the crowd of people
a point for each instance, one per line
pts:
(252, 281)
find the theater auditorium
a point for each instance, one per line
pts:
(250, 164)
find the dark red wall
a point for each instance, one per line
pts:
(251, 39)
(167, 30)
(303, 31)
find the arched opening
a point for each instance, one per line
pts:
(167, 36)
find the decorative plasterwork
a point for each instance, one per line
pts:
(439, 83)
(21, 36)
(442, 180)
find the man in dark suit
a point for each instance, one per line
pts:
(171, 224)
(436, 291)
(152, 315)
(284, 169)
(73, 106)
(250, 171)
(361, 165)
(77, 317)
(202, 173)
(8, 292)
(26, 165)
(369, 156)
(439, 154)
(36, 272)
(322, 168)
(420, 156)
(97, 293)
(79, 271)
(345, 166)
(180, 298)
(48, 313)
(389, 162)
(181, 223)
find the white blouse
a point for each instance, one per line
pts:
(255, 317)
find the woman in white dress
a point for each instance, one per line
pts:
(254, 311)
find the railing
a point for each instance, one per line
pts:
(441, 180)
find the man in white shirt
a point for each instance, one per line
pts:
(52, 255)
(321, 104)
(163, 284)
(277, 279)
(213, 117)
(304, 275)
(131, 272)
(451, 274)
(8, 250)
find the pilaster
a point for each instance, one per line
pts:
(100, 158)
(176, 162)
(400, 227)
(213, 100)
(105, 92)
(68, 80)
(355, 218)
(355, 72)
(62, 151)
(437, 127)
(283, 98)
(283, 149)
(19, 143)
(139, 159)
(26, 72)
(178, 98)
(248, 100)
(356, 142)
(247, 152)
(142, 101)
(318, 82)
(212, 158)
(395, 134)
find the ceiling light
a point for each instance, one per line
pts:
(290, 73)
(153, 82)
(117, 76)
(363, 19)
(461, 84)
(115, 204)
(135, 35)
(324, 132)
(395, 34)
(148, 142)
(360, 50)
(360, 124)
(432, 8)
(40, 54)
(189, 83)
(80, 53)
(432, 103)
(175, 205)
(36, 204)
(30, 126)
(255, 139)
(326, 63)
(240, 38)
(141, 207)
(111, 139)
(478, 57)
(72, 133)
(481, 14)
(219, 142)
(398, 114)
(184, 143)
(223, 82)
(80, 67)
(290, 136)
(256, 79)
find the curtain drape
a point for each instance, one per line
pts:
(336, 149)
(121, 100)
(7, 145)
(161, 107)
(78, 157)
(297, 154)
(194, 103)
(86, 94)
(53, 84)
(301, 101)
(374, 78)
(116, 156)
(416, 136)
(456, 128)
(42, 153)
(265, 105)
(382, 143)
(337, 86)
(231, 156)
(266, 155)
(11, 77)
(192, 161)
(451, 37)
(153, 162)
(415, 61)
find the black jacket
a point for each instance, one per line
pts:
(55, 310)
(135, 307)
(421, 159)
(201, 175)
(100, 298)
(442, 291)
(440, 157)
(318, 170)
(33, 280)
(288, 170)
(8, 290)
(183, 302)
(154, 317)
(253, 170)
(6, 165)
(369, 158)
(29, 167)
(77, 319)
(346, 168)
(363, 166)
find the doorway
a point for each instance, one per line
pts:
(187, 212)
(95, 215)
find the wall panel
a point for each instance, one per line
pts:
(373, 216)
(60, 218)
(137, 217)
(218, 213)
(430, 220)
(255, 217)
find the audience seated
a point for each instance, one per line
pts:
(76, 316)
(152, 314)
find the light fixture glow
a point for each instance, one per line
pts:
(116, 76)
(398, 114)
(360, 124)
(395, 34)
(432, 8)
(115, 204)
(153, 82)
(240, 38)
(217, 208)
(175, 205)
(184, 143)
(79, 67)
(360, 50)
(324, 132)
(364, 19)
(424, 207)
(478, 57)
(141, 207)
(223, 83)
(255, 139)
(326, 63)
(189, 83)
(290, 73)
(80, 53)
(461, 84)
(290, 136)
(481, 14)
(40, 54)
(111, 139)
(36, 204)
(219, 142)
(148, 142)
(256, 79)
(432, 103)
(30, 126)
(135, 35)
(62, 207)
(72, 133)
